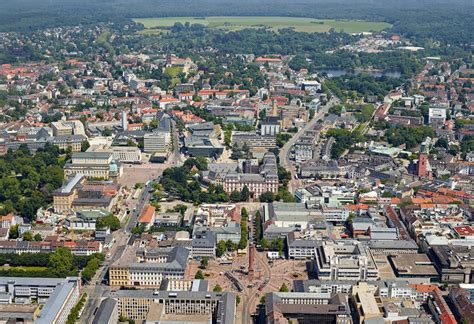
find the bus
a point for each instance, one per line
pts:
(241, 252)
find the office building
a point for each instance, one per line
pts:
(345, 261)
(147, 267)
(156, 142)
(167, 307)
(96, 165)
(306, 308)
(56, 295)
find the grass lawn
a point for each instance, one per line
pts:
(103, 39)
(173, 72)
(24, 268)
(229, 23)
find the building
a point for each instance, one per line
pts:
(77, 194)
(70, 127)
(74, 142)
(253, 140)
(85, 220)
(299, 307)
(300, 249)
(123, 154)
(367, 307)
(257, 183)
(318, 195)
(81, 247)
(64, 196)
(196, 307)
(436, 116)
(345, 261)
(423, 169)
(147, 267)
(321, 169)
(439, 308)
(203, 146)
(56, 295)
(156, 142)
(315, 104)
(414, 266)
(203, 244)
(462, 300)
(147, 216)
(96, 165)
(21, 313)
(270, 126)
(107, 313)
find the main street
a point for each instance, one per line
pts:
(97, 288)
(285, 150)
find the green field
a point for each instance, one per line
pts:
(32, 268)
(157, 25)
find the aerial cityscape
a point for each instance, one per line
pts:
(221, 162)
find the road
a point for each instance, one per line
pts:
(97, 288)
(285, 150)
(251, 296)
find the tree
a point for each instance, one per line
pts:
(220, 248)
(13, 234)
(237, 299)
(217, 288)
(27, 236)
(109, 221)
(277, 245)
(85, 146)
(199, 275)
(245, 194)
(38, 237)
(204, 263)
(284, 288)
(264, 244)
(60, 263)
(442, 142)
(244, 214)
(235, 196)
(266, 197)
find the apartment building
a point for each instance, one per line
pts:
(78, 247)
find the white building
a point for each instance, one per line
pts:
(156, 142)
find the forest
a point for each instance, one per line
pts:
(27, 181)
(426, 21)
